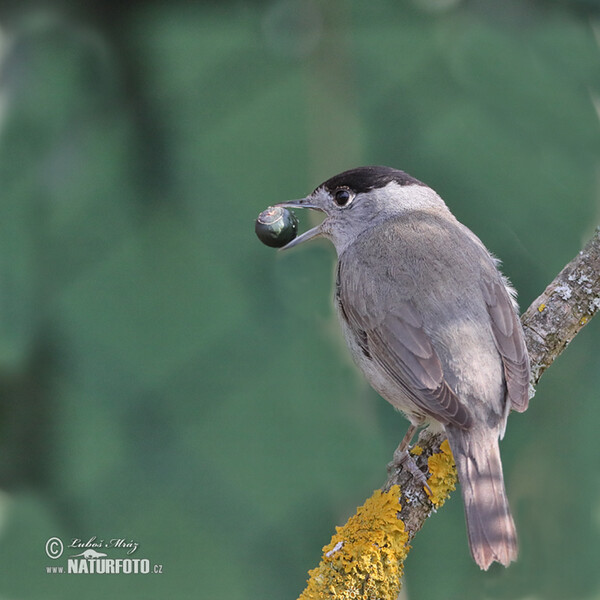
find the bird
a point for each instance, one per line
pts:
(433, 325)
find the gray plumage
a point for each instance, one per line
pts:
(432, 324)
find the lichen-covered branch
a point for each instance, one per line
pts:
(566, 306)
(365, 557)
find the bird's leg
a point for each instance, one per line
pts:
(403, 459)
(405, 443)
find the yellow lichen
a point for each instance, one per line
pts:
(443, 474)
(416, 450)
(541, 307)
(364, 559)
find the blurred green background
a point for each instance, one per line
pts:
(167, 379)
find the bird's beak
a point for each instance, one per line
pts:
(307, 235)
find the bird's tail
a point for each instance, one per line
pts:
(490, 526)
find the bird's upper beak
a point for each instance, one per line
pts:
(307, 202)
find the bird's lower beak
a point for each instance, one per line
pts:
(307, 235)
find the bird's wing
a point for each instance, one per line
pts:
(396, 340)
(510, 341)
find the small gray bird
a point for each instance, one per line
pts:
(433, 325)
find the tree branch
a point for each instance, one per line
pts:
(365, 558)
(564, 308)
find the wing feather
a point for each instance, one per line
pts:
(510, 342)
(398, 342)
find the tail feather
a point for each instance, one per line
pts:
(490, 526)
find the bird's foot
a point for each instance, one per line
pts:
(404, 461)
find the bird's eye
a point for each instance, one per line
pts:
(342, 196)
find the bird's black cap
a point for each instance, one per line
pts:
(364, 179)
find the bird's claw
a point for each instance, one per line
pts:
(404, 461)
